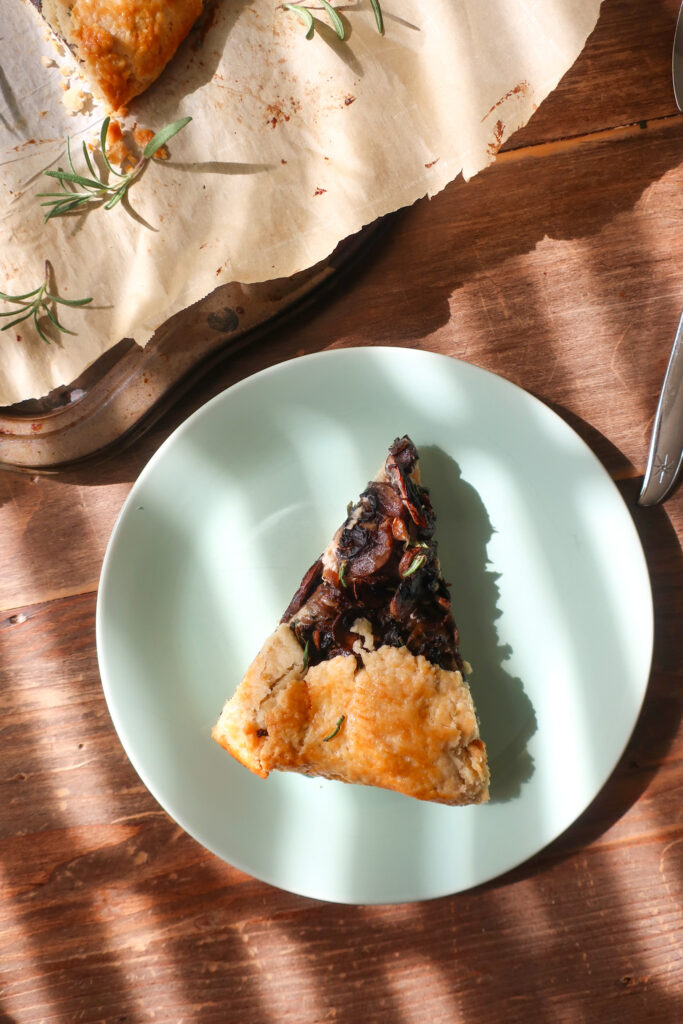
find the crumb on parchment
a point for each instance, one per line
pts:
(142, 136)
(117, 150)
(74, 99)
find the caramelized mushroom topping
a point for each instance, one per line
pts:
(304, 590)
(385, 570)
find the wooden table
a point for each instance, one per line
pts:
(560, 268)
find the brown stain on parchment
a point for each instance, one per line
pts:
(281, 110)
(523, 89)
(497, 140)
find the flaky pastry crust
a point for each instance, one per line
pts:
(406, 725)
(123, 45)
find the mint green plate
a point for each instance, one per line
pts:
(549, 586)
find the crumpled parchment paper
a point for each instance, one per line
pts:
(294, 145)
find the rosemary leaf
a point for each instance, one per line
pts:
(163, 136)
(77, 179)
(378, 16)
(41, 333)
(342, 573)
(65, 207)
(103, 147)
(68, 156)
(307, 656)
(20, 298)
(60, 327)
(67, 302)
(416, 564)
(87, 158)
(337, 23)
(304, 16)
(335, 732)
(61, 196)
(13, 312)
(116, 198)
(19, 320)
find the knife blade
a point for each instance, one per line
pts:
(677, 61)
(666, 448)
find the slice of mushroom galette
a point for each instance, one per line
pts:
(122, 46)
(362, 680)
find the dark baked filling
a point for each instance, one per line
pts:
(387, 572)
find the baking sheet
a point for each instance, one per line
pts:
(294, 145)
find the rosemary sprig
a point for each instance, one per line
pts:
(342, 573)
(303, 13)
(95, 189)
(335, 732)
(307, 656)
(39, 302)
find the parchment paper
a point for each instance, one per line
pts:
(294, 145)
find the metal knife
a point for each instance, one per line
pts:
(677, 61)
(666, 448)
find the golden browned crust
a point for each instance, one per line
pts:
(406, 725)
(123, 45)
(275, 673)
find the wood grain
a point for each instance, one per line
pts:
(622, 77)
(559, 268)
